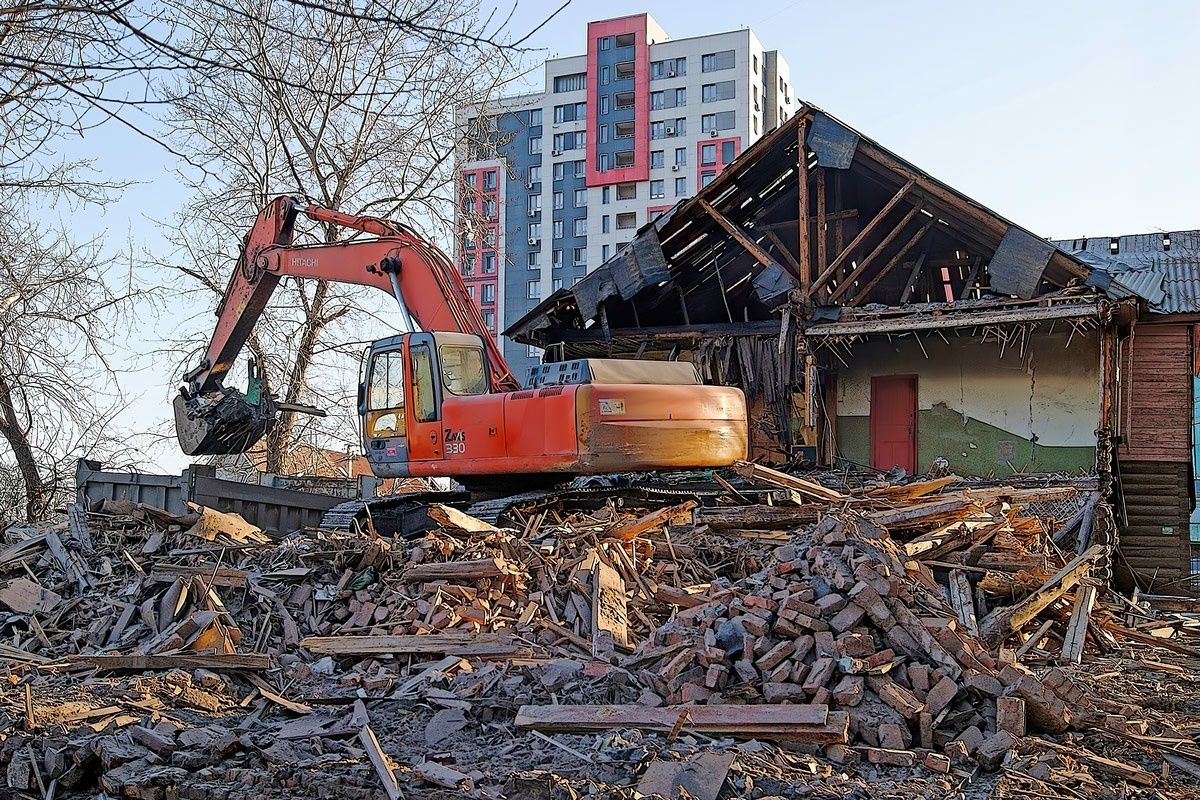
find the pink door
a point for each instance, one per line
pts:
(894, 422)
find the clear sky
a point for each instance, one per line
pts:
(1070, 118)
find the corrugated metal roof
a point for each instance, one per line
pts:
(1162, 268)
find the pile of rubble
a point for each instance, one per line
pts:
(779, 637)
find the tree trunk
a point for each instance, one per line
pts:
(38, 495)
(278, 442)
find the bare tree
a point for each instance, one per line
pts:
(58, 314)
(355, 114)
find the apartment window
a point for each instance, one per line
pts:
(556, 258)
(535, 117)
(605, 76)
(580, 139)
(681, 187)
(580, 256)
(603, 104)
(626, 221)
(489, 179)
(669, 68)
(489, 319)
(559, 168)
(681, 156)
(603, 161)
(489, 237)
(469, 241)
(681, 97)
(570, 83)
(623, 99)
(558, 199)
(707, 177)
(489, 263)
(605, 42)
(558, 229)
(712, 92)
(581, 226)
(754, 120)
(727, 152)
(624, 158)
(708, 154)
(656, 159)
(535, 173)
(470, 178)
(657, 189)
(680, 127)
(604, 196)
(658, 130)
(471, 291)
(563, 141)
(555, 284)
(712, 62)
(580, 198)
(489, 292)
(754, 63)
(468, 265)
(721, 121)
(535, 203)
(604, 252)
(489, 208)
(626, 39)
(570, 112)
(535, 289)
(627, 191)
(604, 223)
(535, 230)
(623, 130)
(581, 168)
(603, 134)
(658, 100)
(535, 145)
(534, 259)
(624, 71)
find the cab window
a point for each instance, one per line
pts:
(462, 369)
(385, 396)
(425, 404)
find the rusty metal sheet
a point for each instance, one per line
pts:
(832, 142)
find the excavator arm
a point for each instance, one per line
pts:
(211, 418)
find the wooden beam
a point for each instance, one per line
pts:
(781, 248)
(973, 276)
(137, 662)
(822, 233)
(867, 230)
(1073, 642)
(879, 248)
(912, 278)
(998, 625)
(738, 234)
(803, 249)
(887, 268)
(454, 643)
(655, 519)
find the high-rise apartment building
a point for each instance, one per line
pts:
(620, 134)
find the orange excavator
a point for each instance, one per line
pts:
(438, 400)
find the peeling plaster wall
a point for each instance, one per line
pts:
(980, 411)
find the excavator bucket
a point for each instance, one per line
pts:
(219, 423)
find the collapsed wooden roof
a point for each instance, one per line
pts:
(864, 228)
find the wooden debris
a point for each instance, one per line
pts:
(383, 768)
(1081, 615)
(702, 776)
(653, 520)
(26, 597)
(809, 723)
(216, 662)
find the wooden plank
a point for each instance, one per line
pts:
(26, 597)
(803, 248)
(214, 524)
(456, 570)
(459, 644)
(387, 776)
(963, 601)
(954, 508)
(758, 517)
(821, 232)
(862, 293)
(454, 520)
(652, 521)
(1002, 622)
(757, 473)
(912, 278)
(811, 723)
(214, 576)
(701, 774)
(610, 617)
(1073, 642)
(862, 236)
(217, 662)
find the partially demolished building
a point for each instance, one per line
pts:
(878, 318)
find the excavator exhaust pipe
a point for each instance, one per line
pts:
(219, 423)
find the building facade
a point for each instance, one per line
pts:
(620, 134)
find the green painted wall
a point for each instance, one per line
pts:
(979, 410)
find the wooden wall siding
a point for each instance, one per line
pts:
(1157, 499)
(1157, 394)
